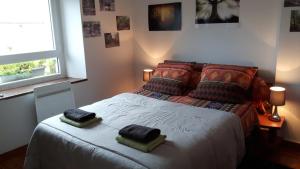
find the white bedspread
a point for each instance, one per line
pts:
(197, 138)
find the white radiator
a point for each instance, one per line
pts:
(53, 100)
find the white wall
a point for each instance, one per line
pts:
(109, 71)
(17, 121)
(252, 42)
(112, 66)
(73, 45)
(288, 69)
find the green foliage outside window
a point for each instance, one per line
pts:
(27, 67)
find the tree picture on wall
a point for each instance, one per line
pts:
(295, 21)
(217, 11)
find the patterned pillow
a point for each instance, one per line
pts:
(196, 73)
(195, 79)
(165, 86)
(170, 79)
(260, 90)
(220, 92)
(199, 66)
(176, 72)
(238, 75)
(196, 66)
(178, 62)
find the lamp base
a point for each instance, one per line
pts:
(274, 118)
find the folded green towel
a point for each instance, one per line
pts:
(141, 146)
(80, 125)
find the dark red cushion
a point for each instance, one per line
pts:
(195, 74)
(172, 79)
(238, 75)
(260, 90)
(165, 86)
(220, 92)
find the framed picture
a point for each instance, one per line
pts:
(88, 7)
(107, 5)
(91, 29)
(123, 23)
(112, 40)
(295, 21)
(164, 17)
(217, 11)
(291, 3)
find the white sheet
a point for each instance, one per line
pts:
(196, 138)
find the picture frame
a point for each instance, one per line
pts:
(112, 40)
(295, 21)
(217, 11)
(107, 5)
(88, 7)
(165, 17)
(123, 23)
(291, 3)
(91, 29)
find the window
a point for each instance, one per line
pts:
(29, 43)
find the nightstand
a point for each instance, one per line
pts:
(268, 131)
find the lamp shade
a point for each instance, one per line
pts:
(277, 96)
(147, 74)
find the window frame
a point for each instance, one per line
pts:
(57, 52)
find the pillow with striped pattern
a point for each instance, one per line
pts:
(220, 92)
(196, 73)
(171, 79)
(239, 75)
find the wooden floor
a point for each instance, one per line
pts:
(13, 159)
(287, 154)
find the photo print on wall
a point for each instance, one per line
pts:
(217, 11)
(123, 23)
(91, 29)
(107, 5)
(112, 40)
(165, 17)
(295, 21)
(291, 3)
(88, 7)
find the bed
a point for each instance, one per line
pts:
(246, 111)
(200, 134)
(215, 137)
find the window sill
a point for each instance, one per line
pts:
(12, 93)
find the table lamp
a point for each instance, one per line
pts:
(277, 98)
(147, 74)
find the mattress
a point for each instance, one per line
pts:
(246, 111)
(196, 138)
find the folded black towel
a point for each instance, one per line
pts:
(78, 115)
(139, 133)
